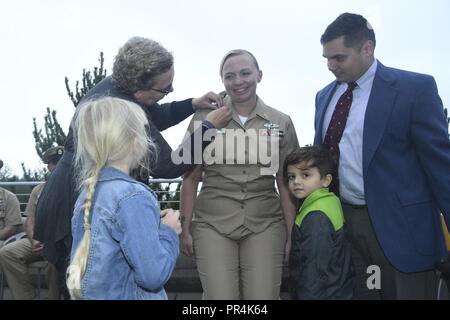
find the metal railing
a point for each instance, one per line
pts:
(167, 198)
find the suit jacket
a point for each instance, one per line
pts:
(406, 165)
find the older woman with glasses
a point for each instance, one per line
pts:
(143, 72)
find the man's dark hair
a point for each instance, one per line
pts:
(354, 27)
(310, 157)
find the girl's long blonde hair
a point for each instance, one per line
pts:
(107, 131)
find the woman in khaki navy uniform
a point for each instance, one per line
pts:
(10, 218)
(239, 226)
(15, 257)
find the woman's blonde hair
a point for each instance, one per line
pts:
(237, 52)
(107, 131)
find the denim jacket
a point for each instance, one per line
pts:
(132, 254)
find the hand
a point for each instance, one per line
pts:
(209, 100)
(165, 211)
(171, 218)
(36, 246)
(187, 244)
(219, 117)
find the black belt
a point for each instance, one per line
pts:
(356, 206)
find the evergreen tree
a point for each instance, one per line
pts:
(166, 197)
(6, 174)
(89, 82)
(53, 134)
(35, 175)
(175, 197)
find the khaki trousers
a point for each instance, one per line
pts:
(242, 265)
(14, 260)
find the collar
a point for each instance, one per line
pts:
(111, 173)
(260, 110)
(367, 78)
(314, 196)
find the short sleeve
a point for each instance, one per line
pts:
(12, 210)
(30, 210)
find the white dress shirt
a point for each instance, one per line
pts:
(351, 183)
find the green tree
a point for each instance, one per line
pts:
(35, 175)
(6, 174)
(166, 197)
(53, 134)
(90, 79)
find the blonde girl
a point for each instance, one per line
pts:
(122, 248)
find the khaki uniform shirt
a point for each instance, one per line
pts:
(9, 209)
(238, 169)
(30, 210)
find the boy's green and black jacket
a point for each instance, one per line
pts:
(320, 261)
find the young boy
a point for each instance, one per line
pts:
(320, 260)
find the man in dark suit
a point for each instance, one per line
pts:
(389, 130)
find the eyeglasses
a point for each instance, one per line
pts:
(165, 91)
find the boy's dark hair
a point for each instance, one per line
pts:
(313, 156)
(354, 27)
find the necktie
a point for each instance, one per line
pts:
(336, 129)
(339, 119)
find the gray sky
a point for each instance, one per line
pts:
(44, 41)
